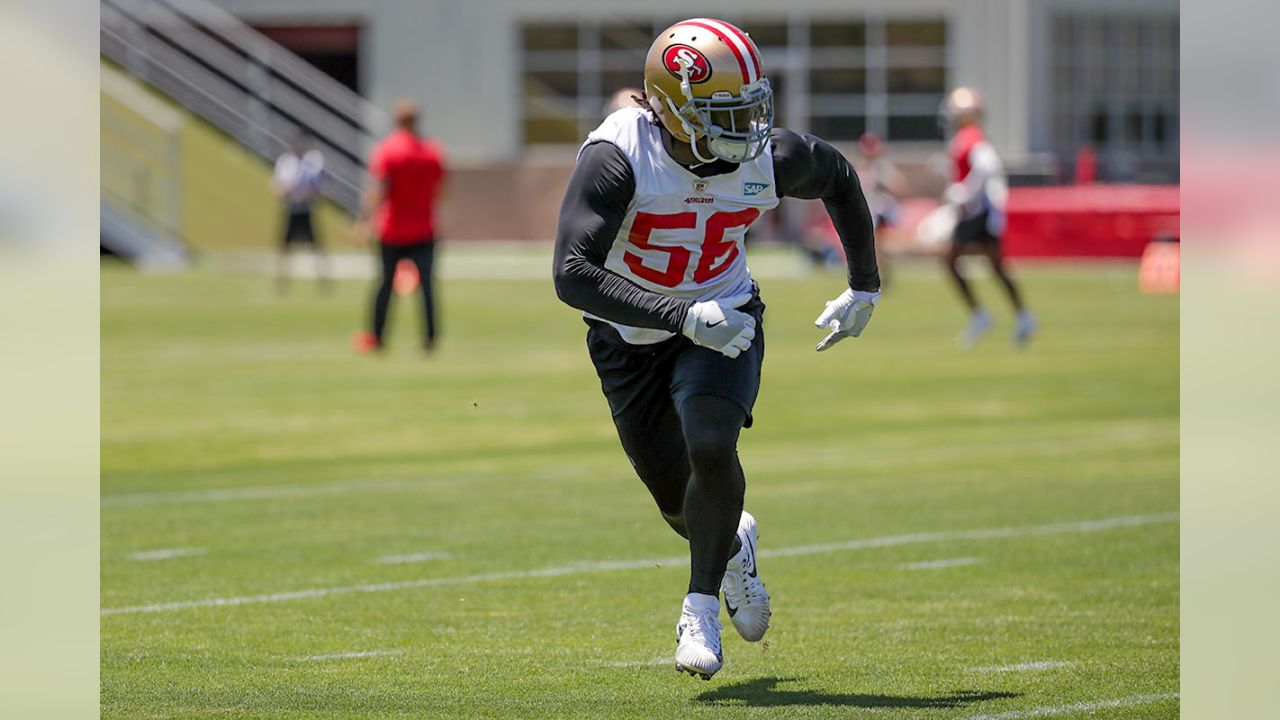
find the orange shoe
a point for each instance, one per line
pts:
(365, 342)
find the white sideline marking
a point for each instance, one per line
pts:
(413, 558)
(254, 492)
(166, 553)
(272, 492)
(641, 663)
(940, 564)
(580, 568)
(350, 655)
(982, 534)
(1038, 665)
(1076, 707)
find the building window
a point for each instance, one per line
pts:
(1116, 88)
(836, 76)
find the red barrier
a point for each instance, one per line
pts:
(1089, 221)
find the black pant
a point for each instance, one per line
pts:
(422, 254)
(678, 409)
(297, 227)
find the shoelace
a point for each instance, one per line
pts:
(753, 590)
(696, 627)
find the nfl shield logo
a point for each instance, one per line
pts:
(699, 186)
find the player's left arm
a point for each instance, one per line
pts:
(809, 168)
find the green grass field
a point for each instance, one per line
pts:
(293, 531)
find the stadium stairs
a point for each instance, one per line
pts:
(196, 106)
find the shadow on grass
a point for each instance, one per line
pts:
(763, 692)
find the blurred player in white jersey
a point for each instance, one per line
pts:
(296, 181)
(650, 248)
(979, 191)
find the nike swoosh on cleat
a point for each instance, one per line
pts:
(732, 610)
(751, 554)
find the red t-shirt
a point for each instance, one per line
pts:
(961, 145)
(411, 169)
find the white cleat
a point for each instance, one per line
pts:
(1025, 328)
(698, 636)
(979, 324)
(744, 593)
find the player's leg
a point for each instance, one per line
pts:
(968, 233)
(714, 396)
(713, 500)
(991, 250)
(635, 382)
(424, 258)
(653, 440)
(1025, 324)
(952, 263)
(389, 256)
(288, 232)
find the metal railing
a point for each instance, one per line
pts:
(244, 84)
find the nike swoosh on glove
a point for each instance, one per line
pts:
(715, 324)
(847, 315)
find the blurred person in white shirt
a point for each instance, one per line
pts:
(296, 181)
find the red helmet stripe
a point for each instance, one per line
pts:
(742, 64)
(746, 43)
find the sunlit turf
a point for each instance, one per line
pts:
(239, 428)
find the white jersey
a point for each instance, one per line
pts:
(298, 178)
(683, 236)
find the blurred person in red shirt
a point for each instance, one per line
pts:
(979, 192)
(407, 172)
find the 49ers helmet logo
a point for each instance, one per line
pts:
(699, 68)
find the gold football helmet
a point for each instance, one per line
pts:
(963, 106)
(704, 79)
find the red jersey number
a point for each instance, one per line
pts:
(714, 246)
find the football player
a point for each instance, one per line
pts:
(978, 190)
(650, 246)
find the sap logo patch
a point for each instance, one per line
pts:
(749, 188)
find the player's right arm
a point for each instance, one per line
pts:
(595, 206)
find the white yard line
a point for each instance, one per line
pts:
(940, 564)
(1038, 665)
(166, 553)
(1085, 526)
(351, 655)
(257, 492)
(1083, 707)
(296, 490)
(581, 568)
(413, 558)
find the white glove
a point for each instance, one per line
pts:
(716, 325)
(847, 315)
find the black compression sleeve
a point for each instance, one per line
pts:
(595, 204)
(807, 167)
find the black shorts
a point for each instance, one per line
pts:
(297, 228)
(975, 230)
(640, 379)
